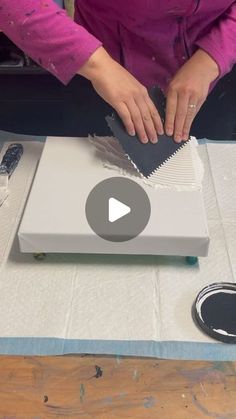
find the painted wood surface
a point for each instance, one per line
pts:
(115, 388)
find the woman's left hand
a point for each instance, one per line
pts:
(187, 92)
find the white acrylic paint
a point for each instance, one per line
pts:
(223, 332)
(183, 171)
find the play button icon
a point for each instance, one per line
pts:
(117, 209)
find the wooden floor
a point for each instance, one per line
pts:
(115, 388)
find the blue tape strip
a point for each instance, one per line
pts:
(168, 350)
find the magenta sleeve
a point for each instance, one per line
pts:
(48, 35)
(220, 42)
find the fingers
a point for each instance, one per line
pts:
(190, 115)
(186, 110)
(171, 106)
(132, 120)
(183, 104)
(155, 116)
(180, 116)
(181, 110)
(145, 117)
(125, 115)
(143, 121)
(140, 116)
(144, 126)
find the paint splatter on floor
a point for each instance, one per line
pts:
(82, 393)
(149, 402)
(99, 372)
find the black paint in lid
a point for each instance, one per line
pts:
(214, 311)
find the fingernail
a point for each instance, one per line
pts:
(154, 140)
(178, 139)
(144, 140)
(161, 132)
(132, 133)
(169, 132)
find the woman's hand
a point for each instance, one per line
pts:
(187, 92)
(125, 94)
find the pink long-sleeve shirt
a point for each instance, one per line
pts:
(151, 38)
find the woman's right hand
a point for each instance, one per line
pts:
(125, 94)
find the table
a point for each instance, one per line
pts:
(113, 387)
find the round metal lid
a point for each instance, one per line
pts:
(214, 311)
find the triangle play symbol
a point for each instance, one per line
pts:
(117, 210)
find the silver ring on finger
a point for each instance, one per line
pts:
(192, 106)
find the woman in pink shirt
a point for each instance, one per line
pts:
(123, 47)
